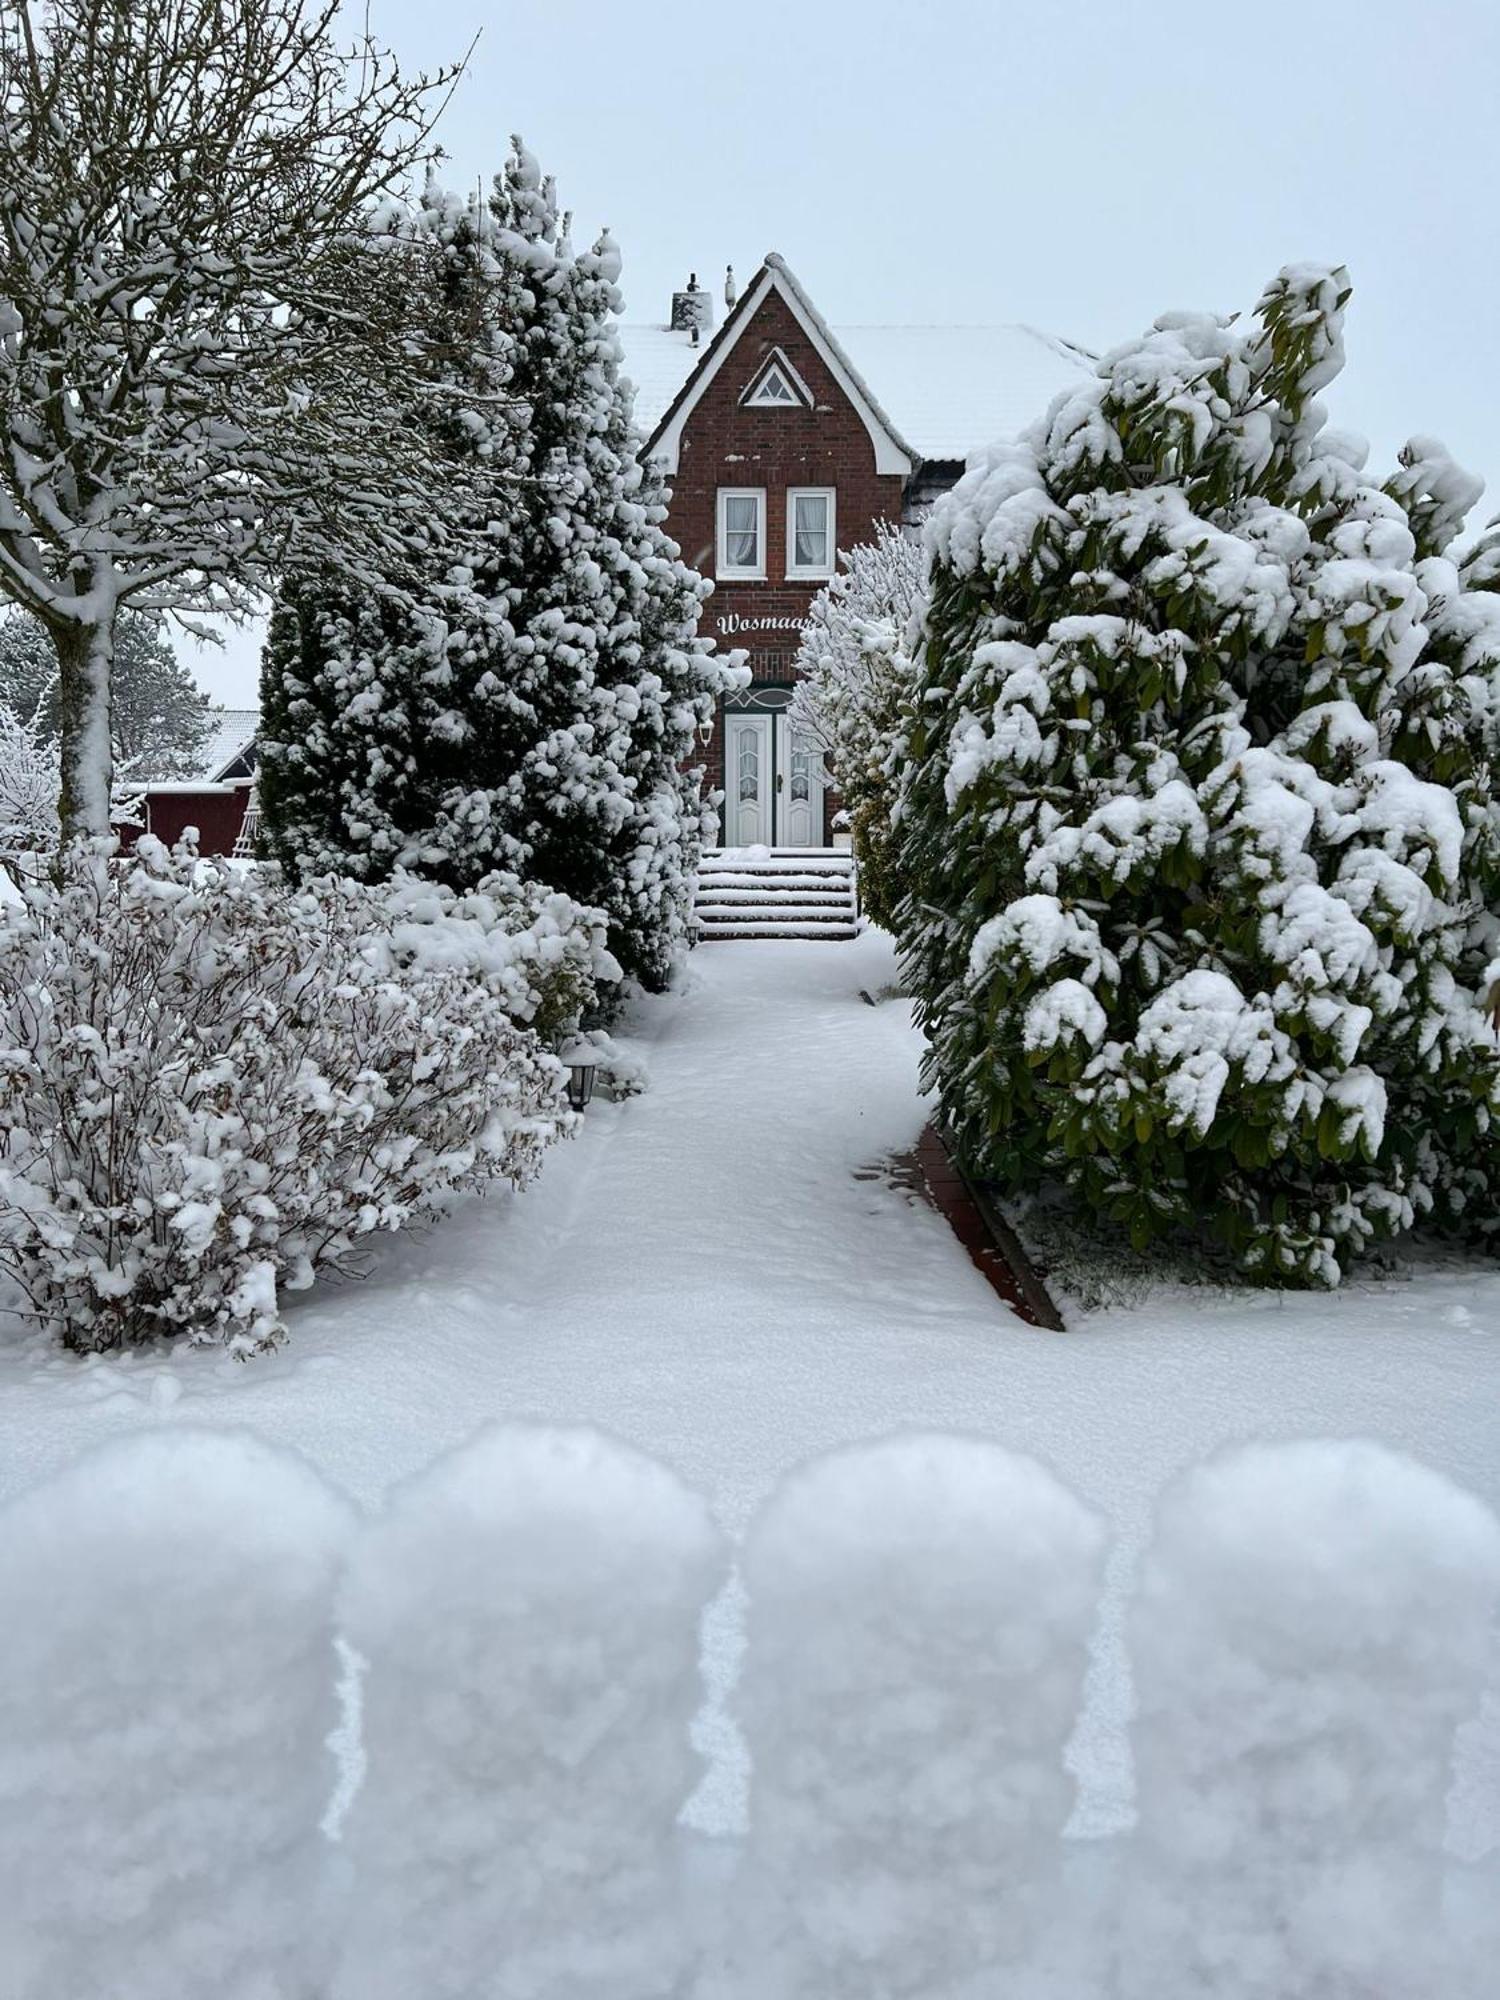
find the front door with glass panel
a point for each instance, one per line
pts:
(772, 784)
(799, 791)
(748, 814)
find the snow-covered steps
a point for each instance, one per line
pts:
(780, 892)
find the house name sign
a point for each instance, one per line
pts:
(733, 622)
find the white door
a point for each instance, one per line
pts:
(799, 788)
(747, 781)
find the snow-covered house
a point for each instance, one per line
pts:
(218, 799)
(783, 440)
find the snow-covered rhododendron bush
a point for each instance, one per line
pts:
(1203, 853)
(212, 1084)
(856, 660)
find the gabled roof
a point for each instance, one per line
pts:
(952, 389)
(233, 736)
(892, 452)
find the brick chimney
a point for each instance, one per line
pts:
(692, 310)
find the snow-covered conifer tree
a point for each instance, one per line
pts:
(194, 367)
(1202, 847)
(532, 707)
(856, 659)
(160, 720)
(362, 678)
(590, 661)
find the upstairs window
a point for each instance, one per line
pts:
(778, 386)
(742, 531)
(809, 531)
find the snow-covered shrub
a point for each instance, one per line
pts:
(1200, 837)
(164, 1713)
(28, 785)
(528, 1609)
(1313, 1624)
(918, 1634)
(212, 1084)
(858, 671)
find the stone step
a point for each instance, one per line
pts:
(732, 864)
(787, 913)
(713, 892)
(783, 857)
(824, 934)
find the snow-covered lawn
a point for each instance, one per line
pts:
(702, 1273)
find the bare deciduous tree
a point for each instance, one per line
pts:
(198, 345)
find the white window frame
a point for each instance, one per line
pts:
(822, 570)
(756, 573)
(776, 363)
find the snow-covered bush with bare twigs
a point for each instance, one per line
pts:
(213, 1084)
(857, 668)
(28, 785)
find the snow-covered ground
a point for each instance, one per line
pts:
(703, 1274)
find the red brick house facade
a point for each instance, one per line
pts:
(783, 441)
(778, 453)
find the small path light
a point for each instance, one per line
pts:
(581, 1066)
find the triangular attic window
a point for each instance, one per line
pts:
(777, 387)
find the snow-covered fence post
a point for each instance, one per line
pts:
(528, 1611)
(919, 1620)
(1312, 1626)
(166, 1694)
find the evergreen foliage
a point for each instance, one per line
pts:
(160, 720)
(1202, 845)
(856, 661)
(530, 705)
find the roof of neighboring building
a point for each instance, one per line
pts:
(948, 389)
(234, 733)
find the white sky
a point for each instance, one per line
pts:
(1081, 164)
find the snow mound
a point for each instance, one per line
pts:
(529, 1611)
(164, 1711)
(919, 1618)
(1312, 1627)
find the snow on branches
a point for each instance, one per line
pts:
(534, 705)
(856, 661)
(212, 1085)
(1200, 833)
(28, 786)
(198, 328)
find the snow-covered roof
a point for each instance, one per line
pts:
(948, 389)
(234, 731)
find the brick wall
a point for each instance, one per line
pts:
(725, 444)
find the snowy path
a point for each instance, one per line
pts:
(702, 1273)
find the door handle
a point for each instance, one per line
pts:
(780, 781)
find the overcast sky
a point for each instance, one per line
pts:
(1079, 164)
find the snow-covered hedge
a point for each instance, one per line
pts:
(920, 1611)
(1311, 1632)
(858, 675)
(1200, 830)
(528, 1613)
(168, 1607)
(212, 1084)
